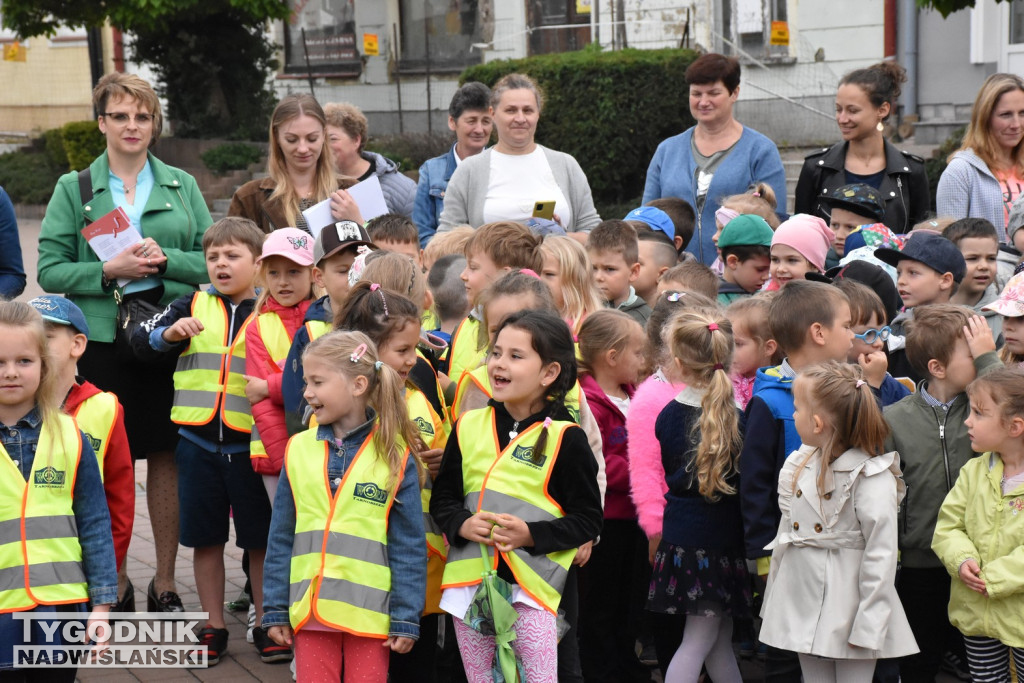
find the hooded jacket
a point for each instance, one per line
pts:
(729, 292)
(769, 436)
(646, 471)
(614, 442)
(269, 413)
(968, 188)
(399, 190)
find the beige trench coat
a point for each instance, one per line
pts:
(831, 590)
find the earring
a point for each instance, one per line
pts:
(880, 127)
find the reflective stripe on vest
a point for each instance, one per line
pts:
(40, 557)
(339, 565)
(210, 375)
(464, 353)
(513, 482)
(96, 416)
(434, 431)
(478, 377)
(277, 342)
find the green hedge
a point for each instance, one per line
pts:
(30, 174)
(231, 156)
(607, 109)
(937, 163)
(83, 142)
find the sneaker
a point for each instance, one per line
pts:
(252, 623)
(269, 650)
(291, 667)
(956, 667)
(215, 640)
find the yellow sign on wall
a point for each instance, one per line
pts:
(371, 47)
(583, 6)
(15, 52)
(780, 33)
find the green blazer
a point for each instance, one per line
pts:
(175, 216)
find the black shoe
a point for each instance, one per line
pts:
(269, 650)
(126, 603)
(167, 602)
(215, 641)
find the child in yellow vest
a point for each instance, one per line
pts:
(351, 480)
(52, 508)
(286, 274)
(519, 478)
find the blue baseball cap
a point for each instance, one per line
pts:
(61, 311)
(654, 217)
(935, 251)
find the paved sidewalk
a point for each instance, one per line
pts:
(241, 663)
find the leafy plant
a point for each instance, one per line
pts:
(937, 163)
(29, 174)
(410, 150)
(609, 110)
(83, 142)
(231, 156)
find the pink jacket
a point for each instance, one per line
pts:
(646, 473)
(612, 424)
(269, 413)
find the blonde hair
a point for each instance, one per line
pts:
(978, 136)
(751, 313)
(1005, 386)
(19, 315)
(759, 200)
(350, 119)
(604, 331)
(264, 292)
(701, 340)
(576, 278)
(840, 392)
(119, 86)
(444, 243)
(395, 431)
(324, 180)
(396, 273)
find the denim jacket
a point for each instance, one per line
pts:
(407, 554)
(434, 176)
(89, 505)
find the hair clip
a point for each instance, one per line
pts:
(357, 353)
(547, 422)
(380, 290)
(378, 365)
(860, 383)
(530, 272)
(755, 193)
(712, 327)
(719, 366)
(674, 296)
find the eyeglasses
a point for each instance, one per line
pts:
(121, 118)
(869, 336)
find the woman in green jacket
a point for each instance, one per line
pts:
(979, 535)
(164, 204)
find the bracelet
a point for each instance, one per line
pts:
(104, 280)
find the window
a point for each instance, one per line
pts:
(1016, 23)
(323, 31)
(751, 26)
(554, 25)
(441, 32)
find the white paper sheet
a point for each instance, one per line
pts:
(111, 234)
(367, 195)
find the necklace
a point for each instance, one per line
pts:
(515, 430)
(129, 188)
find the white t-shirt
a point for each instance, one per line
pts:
(517, 183)
(621, 403)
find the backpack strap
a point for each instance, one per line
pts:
(85, 189)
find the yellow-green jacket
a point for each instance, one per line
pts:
(977, 521)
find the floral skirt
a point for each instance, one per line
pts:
(708, 583)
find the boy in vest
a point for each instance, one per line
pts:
(100, 416)
(334, 251)
(215, 478)
(810, 321)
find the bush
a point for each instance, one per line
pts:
(937, 164)
(29, 175)
(231, 156)
(607, 109)
(410, 150)
(53, 142)
(83, 142)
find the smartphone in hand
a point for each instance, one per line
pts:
(544, 209)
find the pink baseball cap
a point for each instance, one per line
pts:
(293, 244)
(809, 235)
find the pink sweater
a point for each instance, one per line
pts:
(646, 473)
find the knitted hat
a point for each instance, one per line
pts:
(808, 235)
(746, 230)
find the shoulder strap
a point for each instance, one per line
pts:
(85, 188)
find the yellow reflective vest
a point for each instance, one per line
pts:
(210, 375)
(275, 338)
(514, 482)
(464, 352)
(317, 328)
(434, 431)
(339, 567)
(96, 416)
(40, 557)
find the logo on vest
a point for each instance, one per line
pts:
(370, 493)
(424, 426)
(524, 454)
(49, 478)
(93, 441)
(574, 413)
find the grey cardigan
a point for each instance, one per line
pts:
(968, 188)
(467, 190)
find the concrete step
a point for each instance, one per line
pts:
(935, 132)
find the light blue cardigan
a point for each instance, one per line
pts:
(968, 188)
(673, 173)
